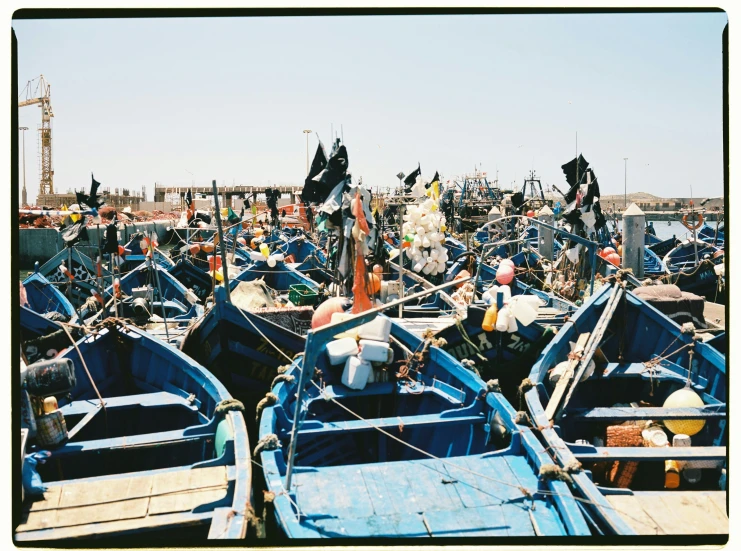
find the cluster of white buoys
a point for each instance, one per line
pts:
(424, 228)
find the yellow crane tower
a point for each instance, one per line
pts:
(40, 95)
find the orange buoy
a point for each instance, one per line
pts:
(375, 283)
(211, 262)
(462, 275)
(207, 247)
(194, 248)
(530, 214)
(289, 259)
(323, 314)
(613, 258)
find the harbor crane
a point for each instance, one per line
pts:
(40, 95)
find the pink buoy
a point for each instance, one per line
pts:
(323, 314)
(530, 213)
(505, 274)
(508, 262)
(607, 250)
(242, 241)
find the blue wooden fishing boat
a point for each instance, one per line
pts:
(660, 248)
(695, 276)
(602, 410)
(301, 249)
(135, 255)
(146, 294)
(425, 449)
(81, 266)
(710, 235)
(279, 278)
(45, 299)
(156, 449)
(653, 265)
(192, 278)
(244, 348)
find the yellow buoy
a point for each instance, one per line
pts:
(684, 398)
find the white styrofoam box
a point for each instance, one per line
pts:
(339, 350)
(340, 316)
(356, 373)
(373, 351)
(377, 330)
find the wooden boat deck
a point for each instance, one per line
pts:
(425, 498)
(673, 513)
(106, 505)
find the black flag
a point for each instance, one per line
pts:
(412, 178)
(110, 245)
(188, 199)
(592, 190)
(569, 169)
(435, 178)
(93, 200)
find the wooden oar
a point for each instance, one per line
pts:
(565, 379)
(595, 340)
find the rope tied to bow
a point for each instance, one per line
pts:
(282, 378)
(228, 405)
(269, 400)
(267, 443)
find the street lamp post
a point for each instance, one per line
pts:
(625, 196)
(307, 132)
(24, 196)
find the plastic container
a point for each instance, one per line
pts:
(341, 349)
(356, 373)
(377, 330)
(302, 295)
(51, 429)
(50, 377)
(654, 437)
(490, 319)
(690, 472)
(373, 351)
(671, 474)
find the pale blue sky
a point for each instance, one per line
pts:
(144, 100)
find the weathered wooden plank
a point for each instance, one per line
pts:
(565, 381)
(632, 513)
(392, 422)
(635, 414)
(696, 511)
(651, 454)
(186, 500)
(116, 527)
(676, 516)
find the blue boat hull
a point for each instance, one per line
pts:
(160, 432)
(636, 334)
(434, 455)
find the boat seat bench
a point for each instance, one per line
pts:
(151, 399)
(602, 414)
(318, 428)
(156, 439)
(589, 453)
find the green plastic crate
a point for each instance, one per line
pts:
(302, 295)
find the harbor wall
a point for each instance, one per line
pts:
(40, 244)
